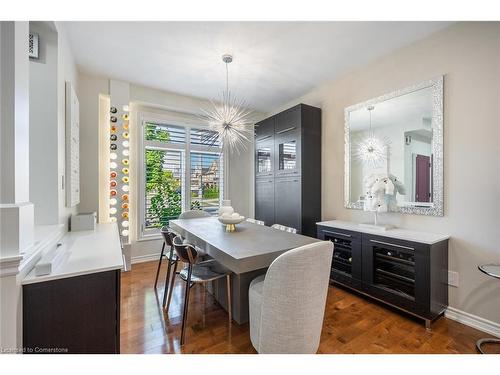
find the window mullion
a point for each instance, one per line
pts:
(187, 171)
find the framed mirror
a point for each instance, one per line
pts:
(394, 151)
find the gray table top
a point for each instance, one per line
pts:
(249, 248)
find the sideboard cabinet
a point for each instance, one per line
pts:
(288, 169)
(405, 269)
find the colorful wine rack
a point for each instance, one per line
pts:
(119, 173)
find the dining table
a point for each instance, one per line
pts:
(247, 252)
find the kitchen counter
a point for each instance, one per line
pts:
(85, 252)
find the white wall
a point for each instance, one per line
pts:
(90, 89)
(66, 72)
(468, 54)
(43, 125)
(48, 77)
(16, 212)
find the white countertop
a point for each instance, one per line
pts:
(86, 252)
(399, 233)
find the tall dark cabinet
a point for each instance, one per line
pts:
(288, 169)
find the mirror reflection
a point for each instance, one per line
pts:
(391, 152)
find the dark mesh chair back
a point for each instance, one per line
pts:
(168, 235)
(186, 253)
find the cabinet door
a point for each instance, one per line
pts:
(287, 153)
(264, 201)
(288, 120)
(287, 203)
(264, 158)
(346, 260)
(264, 129)
(397, 272)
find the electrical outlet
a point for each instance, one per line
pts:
(453, 278)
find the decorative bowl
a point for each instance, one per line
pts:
(230, 221)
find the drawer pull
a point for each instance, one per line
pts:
(392, 244)
(337, 233)
(286, 130)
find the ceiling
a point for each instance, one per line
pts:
(274, 62)
(411, 109)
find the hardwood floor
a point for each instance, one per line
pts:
(352, 324)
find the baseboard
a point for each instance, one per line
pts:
(473, 321)
(145, 258)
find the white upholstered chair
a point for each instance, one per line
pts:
(193, 214)
(288, 303)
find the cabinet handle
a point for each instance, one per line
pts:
(392, 244)
(337, 233)
(285, 130)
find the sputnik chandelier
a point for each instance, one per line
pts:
(372, 150)
(229, 122)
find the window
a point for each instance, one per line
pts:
(183, 170)
(205, 181)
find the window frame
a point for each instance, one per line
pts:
(187, 121)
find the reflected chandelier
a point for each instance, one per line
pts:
(372, 150)
(229, 122)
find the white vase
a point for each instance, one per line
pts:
(226, 208)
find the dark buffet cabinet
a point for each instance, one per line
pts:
(408, 275)
(288, 169)
(78, 314)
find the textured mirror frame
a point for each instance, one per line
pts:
(437, 207)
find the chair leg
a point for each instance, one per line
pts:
(159, 264)
(171, 287)
(229, 304)
(167, 279)
(204, 301)
(186, 303)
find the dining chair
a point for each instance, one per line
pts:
(172, 259)
(255, 221)
(285, 228)
(194, 214)
(287, 304)
(198, 273)
(168, 236)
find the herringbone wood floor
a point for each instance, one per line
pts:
(352, 324)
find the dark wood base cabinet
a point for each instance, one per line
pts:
(78, 314)
(408, 275)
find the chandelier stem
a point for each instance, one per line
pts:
(227, 79)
